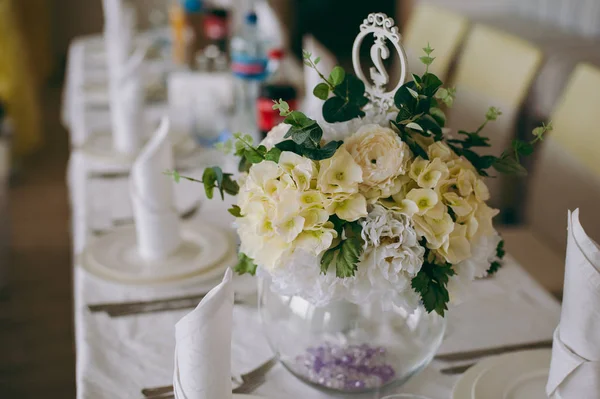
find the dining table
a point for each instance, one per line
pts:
(117, 357)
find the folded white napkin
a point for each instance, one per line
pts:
(312, 105)
(575, 367)
(203, 347)
(126, 95)
(156, 219)
(119, 25)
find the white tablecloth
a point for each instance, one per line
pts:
(116, 358)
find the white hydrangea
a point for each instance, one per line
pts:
(343, 130)
(392, 257)
(483, 253)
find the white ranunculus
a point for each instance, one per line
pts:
(381, 155)
(339, 174)
(275, 135)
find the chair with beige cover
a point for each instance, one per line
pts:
(566, 176)
(494, 69)
(444, 30)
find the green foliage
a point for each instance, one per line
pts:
(305, 136)
(446, 95)
(496, 265)
(245, 265)
(321, 91)
(215, 178)
(211, 178)
(347, 93)
(431, 284)
(346, 255)
(347, 101)
(235, 211)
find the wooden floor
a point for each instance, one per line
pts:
(37, 353)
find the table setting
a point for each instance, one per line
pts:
(351, 252)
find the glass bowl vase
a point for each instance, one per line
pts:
(345, 347)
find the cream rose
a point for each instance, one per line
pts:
(381, 155)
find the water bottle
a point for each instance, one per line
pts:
(249, 67)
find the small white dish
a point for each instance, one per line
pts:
(518, 375)
(204, 255)
(99, 145)
(464, 386)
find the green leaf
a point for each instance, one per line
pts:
(431, 283)
(230, 186)
(245, 265)
(337, 75)
(438, 115)
(431, 84)
(336, 109)
(255, 155)
(325, 152)
(347, 261)
(500, 252)
(412, 92)
(509, 166)
(282, 106)
(522, 147)
(403, 98)
(317, 60)
(414, 126)
(273, 154)
(235, 211)
(492, 114)
(321, 91)
(494, 267)
(209, 178)
(297, 119)
(327, 258)
(427, 60)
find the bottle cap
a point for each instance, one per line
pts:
(192, 6)
(276, 54)
(251, 18)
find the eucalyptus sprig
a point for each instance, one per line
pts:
(305, 135)
(344, 94)
(212, 178)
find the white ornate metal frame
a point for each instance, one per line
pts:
(382, 27)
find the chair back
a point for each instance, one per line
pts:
(497, 64)
(567, 170)
(444, 30)
(494, 69)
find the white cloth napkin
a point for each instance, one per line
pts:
(203, 347)
(575, 366)
(156, 220)
(126, 105)
(312, 105)
(119, 24)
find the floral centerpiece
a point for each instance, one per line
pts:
(373, 204)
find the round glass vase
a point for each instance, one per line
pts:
(349, 348)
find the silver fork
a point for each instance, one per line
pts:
(248, 382)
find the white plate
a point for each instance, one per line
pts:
(100, 146)
(464, 386)
(519, 375)
(204, 255)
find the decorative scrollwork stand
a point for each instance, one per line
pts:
(382, 27)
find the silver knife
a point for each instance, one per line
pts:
(474, 354)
